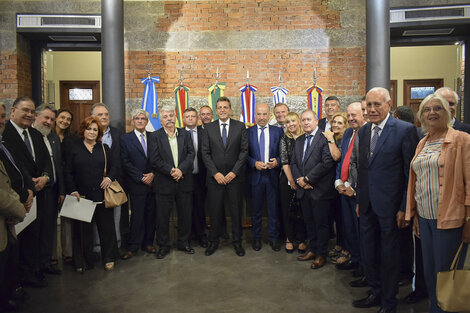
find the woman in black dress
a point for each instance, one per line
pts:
(84, 177)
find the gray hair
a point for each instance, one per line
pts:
(444, 103)
(456, 96)
(167, 108)
(44, 107)
(382, 91)
(98, 104)
(138, 112)
(308, 110)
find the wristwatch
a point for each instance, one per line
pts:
(331, 141)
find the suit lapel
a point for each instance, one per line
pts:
(388, 129)
(312, 144)
(135, 141)
(166, 145)
(271, 140)
(230, 133)
(216, 126)
(180, 141)
(254, 140)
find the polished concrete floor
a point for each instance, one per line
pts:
(264, 281)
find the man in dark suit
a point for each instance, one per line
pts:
(386, 147)
(313, 169)
(139, 176)
(224, 151)
(345, 185)
(54, 191)
(264, 170)
(111, 137)
(172, 157)
(27, 147)
(12, 210)
(452, 97)
(199, 174)
(331, 107)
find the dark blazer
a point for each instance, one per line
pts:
(344, 148)
(135, 163)
(322, 124)
(461, 126)
(116, 150)
(383, 178)
(84, 170)
(275, 134)
(15, 144)
(318, 166)
(231, 158)
(201, 176)
(19, 177)
(54, 141)
(162, 161)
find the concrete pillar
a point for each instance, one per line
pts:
(112, 60)
(378, 44)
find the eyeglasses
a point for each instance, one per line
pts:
(436, 108)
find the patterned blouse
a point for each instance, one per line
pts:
(426, 167)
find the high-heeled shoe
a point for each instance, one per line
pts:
(109, 266)
(80, 270)
(302, 248)
(289, 245)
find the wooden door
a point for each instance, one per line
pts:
(78, 97)
(415, 90)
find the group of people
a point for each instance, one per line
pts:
(359, 176)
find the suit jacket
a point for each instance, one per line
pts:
(55, 143)
(19, 178)
(461, 126)
(162, 161)
(201, 175)
(15, 144)
(383, 178)
(116, 151)
(10, 206)
(230, 158)
(275, 134)
(318, 166)
(322, 124)
(135, 163)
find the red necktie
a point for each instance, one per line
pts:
(347, 159)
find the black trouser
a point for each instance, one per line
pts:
(217, 194)
(48, 224)
(8, 269)
(82, 245)
(183, 207)
(142, 224)
(315, 213)
(336, 217)
(406, 252)
(199, 211)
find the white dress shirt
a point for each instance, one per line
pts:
(266, 142)
(226, 127)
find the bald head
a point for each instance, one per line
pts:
(262, 114)
(450, 96)
(355, 117)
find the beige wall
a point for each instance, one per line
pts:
(425, 63)
(65, 65)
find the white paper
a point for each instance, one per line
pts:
(78, 210)
(29, 218)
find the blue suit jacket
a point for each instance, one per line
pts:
(383, 178)
(134, 163)
(275, 134)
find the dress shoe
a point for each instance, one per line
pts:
(203, 242)
(127, 255)
(357, 273)
(275, 245)
(349, 265)
(415, 296)
(34, 282)
(361, 282)
(307, 256)
(162, 252)
(186, 249)
(239, 249)
(387, 310)
(368, 302)
(51, 269)
(212, 248)
(256, 244)
(319, 262)
(150, 249)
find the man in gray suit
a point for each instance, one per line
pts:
(224, 152)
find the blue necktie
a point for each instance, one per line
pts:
(262, 145)
(27, 143)
(308, 138)
(224, 134)
(373, 141)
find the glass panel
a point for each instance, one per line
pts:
(421, 92)
(80, 94)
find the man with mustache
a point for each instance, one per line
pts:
(172, 157)
(54, 191)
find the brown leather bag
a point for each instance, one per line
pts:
(114, 195)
